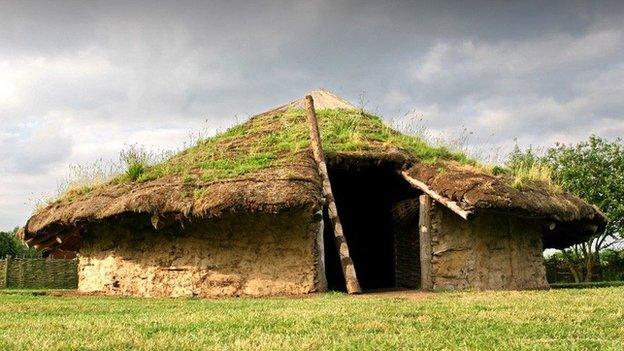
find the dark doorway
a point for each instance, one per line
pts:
(365, 193)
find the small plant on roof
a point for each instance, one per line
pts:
(527, 166)
(534, 172)
(136, 161)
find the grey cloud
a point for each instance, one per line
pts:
(531, 89)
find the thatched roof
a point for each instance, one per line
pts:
(264, 165)
(568, 219)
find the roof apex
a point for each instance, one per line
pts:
(324, 99)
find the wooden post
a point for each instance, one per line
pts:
(6, 271)
(353, 286)
(424, 224)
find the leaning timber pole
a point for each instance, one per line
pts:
(353, 286)
(424, 225)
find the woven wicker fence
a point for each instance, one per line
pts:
(38, 273)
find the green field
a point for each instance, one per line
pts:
(568, 319)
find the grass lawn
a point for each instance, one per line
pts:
(570, 319)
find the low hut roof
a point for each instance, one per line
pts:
(568, 219)
(264, 165)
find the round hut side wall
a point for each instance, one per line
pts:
(253, 255)
(492, 251)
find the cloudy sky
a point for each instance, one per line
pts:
(79, 81)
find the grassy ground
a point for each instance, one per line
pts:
(557, 319)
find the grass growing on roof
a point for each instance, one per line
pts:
(271, 140)
(535, 172)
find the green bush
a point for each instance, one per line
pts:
(11, 245)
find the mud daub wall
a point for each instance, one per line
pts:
(493, 251)
(29, 273)
(238, 255)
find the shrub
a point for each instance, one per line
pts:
(11, 245)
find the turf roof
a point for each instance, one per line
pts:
(274, 139)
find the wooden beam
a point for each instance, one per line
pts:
(49, 244)
(37, 240)
(451, 205)
(348, 269)
(56, 239)
(424, 225)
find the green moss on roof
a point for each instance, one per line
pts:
(273, 139)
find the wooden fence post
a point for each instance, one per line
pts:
(424, 224)
(348, 269)
(7, 261)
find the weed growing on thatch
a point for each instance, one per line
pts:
(82, 179)
(134, 162)
(463, 141)
(527, 166)
(272, 140)
(535, 172)
(135, 170)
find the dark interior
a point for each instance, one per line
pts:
(365, 192)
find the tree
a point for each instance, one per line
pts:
(593, 170)
(8, 244)
(11, 245)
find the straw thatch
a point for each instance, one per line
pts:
(264, 165)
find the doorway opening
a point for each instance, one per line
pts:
(366, 192)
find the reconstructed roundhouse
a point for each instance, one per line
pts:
(243, 213)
